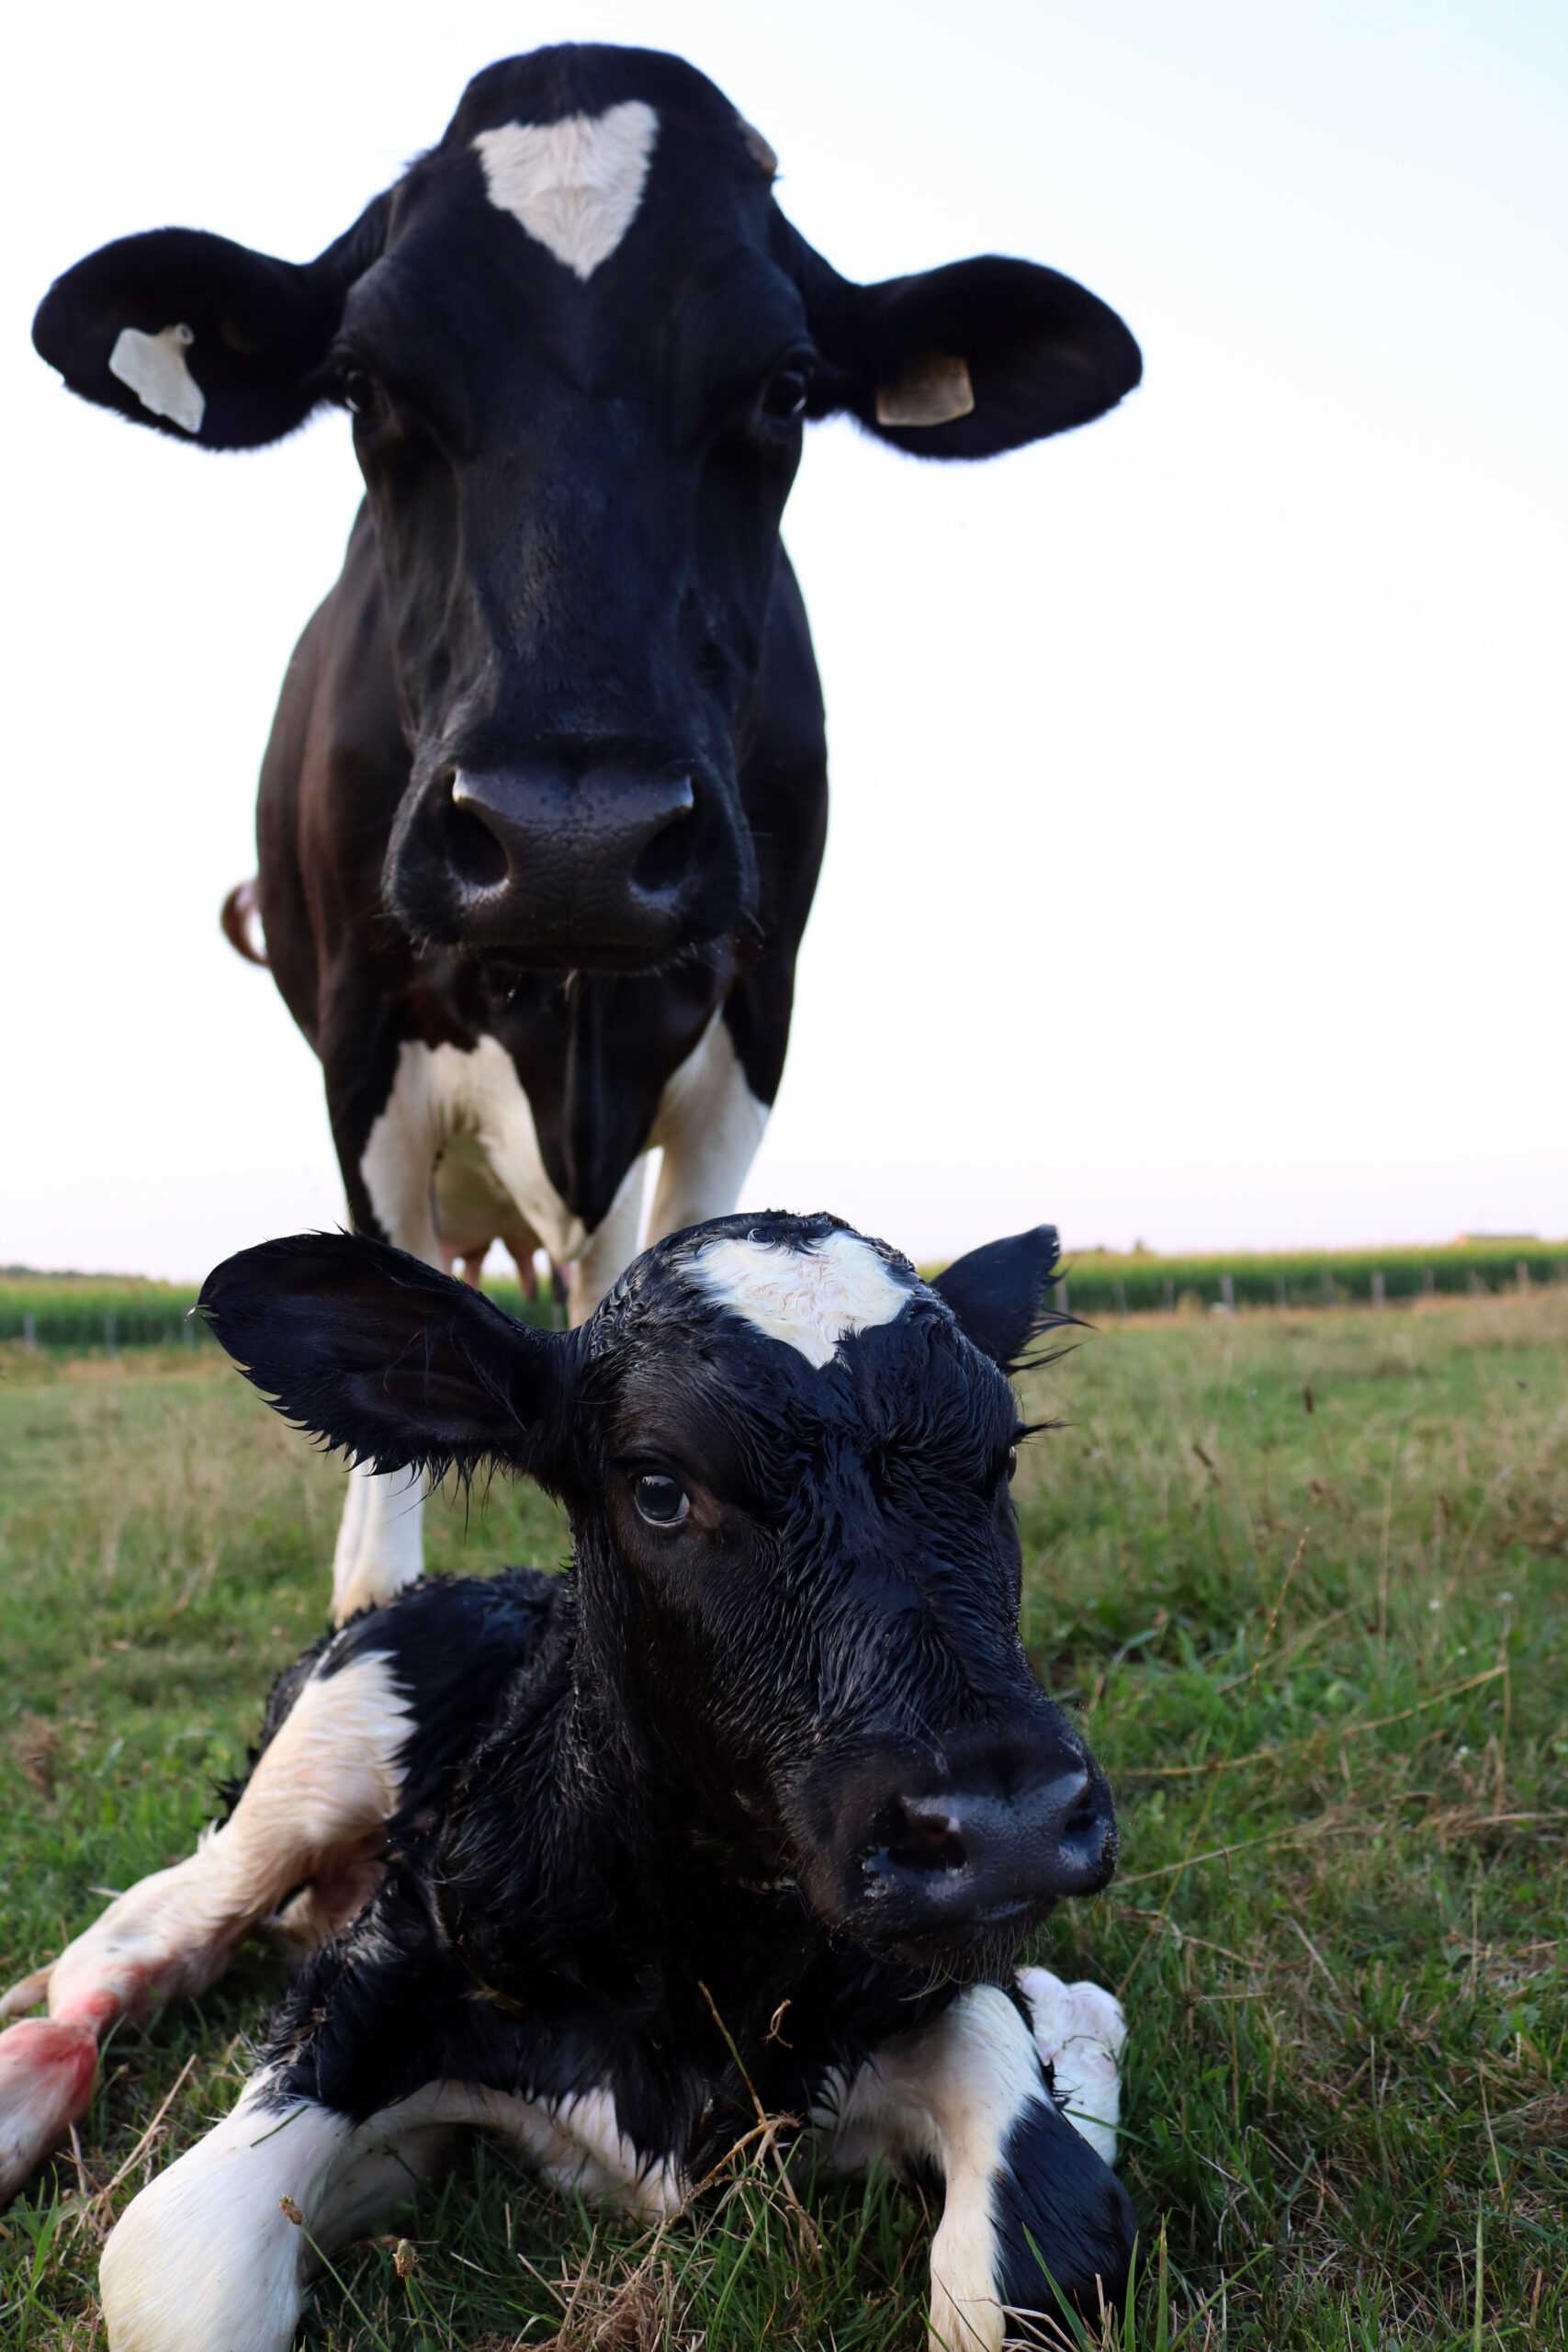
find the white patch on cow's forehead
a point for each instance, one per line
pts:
(811, 1297)
(154, 366)
(574, 185)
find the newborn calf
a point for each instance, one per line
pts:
(762, 1797)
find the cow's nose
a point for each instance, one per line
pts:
(603, 856)
(975, 1856)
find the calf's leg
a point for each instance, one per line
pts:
(313, 1808)
(967, 2097)
(209, 2256)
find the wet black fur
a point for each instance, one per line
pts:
(623, 1780)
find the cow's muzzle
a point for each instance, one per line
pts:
(603, 866)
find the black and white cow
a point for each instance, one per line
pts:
(541, 816)
(762, 1797)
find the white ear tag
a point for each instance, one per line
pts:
(936, 391)
(154, 366)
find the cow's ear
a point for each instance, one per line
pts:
(1001, 1294)
(966, 361)
(387, 1361)
(204, 339)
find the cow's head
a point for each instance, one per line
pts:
(578, 341)
(786, 1460)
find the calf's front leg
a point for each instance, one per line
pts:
(1025, 2190)
(210, 2256)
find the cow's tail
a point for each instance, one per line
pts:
(241, 919)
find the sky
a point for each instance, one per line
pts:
(1199, 845)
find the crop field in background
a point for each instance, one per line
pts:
(1303, 1575)
(86, 1311)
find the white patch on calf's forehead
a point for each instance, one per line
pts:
(811, 1297)
(574, 185)
(154, 366)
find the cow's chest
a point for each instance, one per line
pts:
(454, 1157)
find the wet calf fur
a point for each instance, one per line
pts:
(772, 1751)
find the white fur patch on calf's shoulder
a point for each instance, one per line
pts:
(811, 1297)
(574, 185)
(154, 367)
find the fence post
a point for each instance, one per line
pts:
(30, 1331)
(187, 1328)
(1429, 1284)
(1171, 1293)
(1279, 1298)
(1227, 1293)
(1379, 1289)
(1121, 1295)
(108, 1330)
(1062, 1305)
(1522, 1274)
(1476, 1286)
(1327, 1287)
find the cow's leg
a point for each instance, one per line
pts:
(967, 2097)
(388, 1164)
(709, 1125)
(313, 1809)
(609, 1250)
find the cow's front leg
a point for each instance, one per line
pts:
(610, 1248)
(709, 1125)
(388, 1164)
(1024, 2192)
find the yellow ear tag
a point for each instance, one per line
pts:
(935, 392)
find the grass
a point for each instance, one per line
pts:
(1304, 1575)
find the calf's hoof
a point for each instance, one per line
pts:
(46, 2079)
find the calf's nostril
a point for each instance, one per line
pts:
(925, 1834)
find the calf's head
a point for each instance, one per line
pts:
(578, 341)
(786, 1461)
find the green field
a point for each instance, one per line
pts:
(79, 1313)
(1304, 1577)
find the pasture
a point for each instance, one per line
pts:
(1303, 1573)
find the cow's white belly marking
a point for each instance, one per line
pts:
(440, 1092)
(574, 185)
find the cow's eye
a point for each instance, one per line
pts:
(359, 392)
(660, 1500)
(1013, 1462)
(787, 390)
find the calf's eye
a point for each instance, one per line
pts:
(660, 1500)
(1012, 1461)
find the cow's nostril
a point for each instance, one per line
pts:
(665, 860)
(476, 852)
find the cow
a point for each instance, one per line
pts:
(756, 1803)
(542, 811)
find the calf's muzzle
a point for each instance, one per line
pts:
(933, 1857)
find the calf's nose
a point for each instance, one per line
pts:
(967, 1855)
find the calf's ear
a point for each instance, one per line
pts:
(1001, 1294)
(969, 360)
(204, 340)
(387, 1361)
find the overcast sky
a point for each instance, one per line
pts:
(1199, 858)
